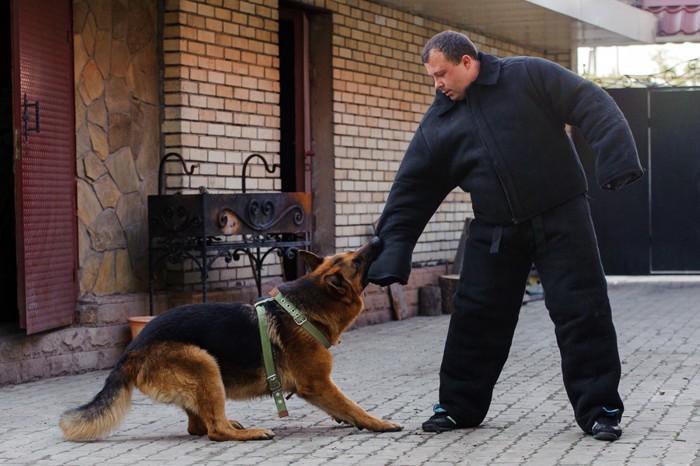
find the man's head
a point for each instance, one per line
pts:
(451, 59)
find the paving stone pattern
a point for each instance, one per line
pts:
(392, 371)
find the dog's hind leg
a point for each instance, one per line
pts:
(195, 425)
(189, 377)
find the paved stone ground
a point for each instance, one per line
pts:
(391, 370)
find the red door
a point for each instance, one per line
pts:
(44, 153)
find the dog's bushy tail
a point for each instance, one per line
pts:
(104, 413)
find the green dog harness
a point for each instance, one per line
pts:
(300, 319)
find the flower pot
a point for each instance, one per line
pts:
(137, 323)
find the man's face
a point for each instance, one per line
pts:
(452, 79)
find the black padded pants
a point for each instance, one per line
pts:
(561, 243)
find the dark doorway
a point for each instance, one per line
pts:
(8, 250)
(653, 225)
(293, 37)
(306, 157)
(293, 34)
(306, 115)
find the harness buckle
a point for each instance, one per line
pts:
(274, 383)
(299, 318)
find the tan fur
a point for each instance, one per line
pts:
(188, 376)
(76, 426)
(228, 222)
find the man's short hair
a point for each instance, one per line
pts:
(454, 45)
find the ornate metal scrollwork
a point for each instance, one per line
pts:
(260, 216)
(687, 77)
(244, 174)
(260, 213)
(175, 219)
(184, 226)
(161, 169)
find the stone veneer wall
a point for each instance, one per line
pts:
(117, 141)
(117, 150)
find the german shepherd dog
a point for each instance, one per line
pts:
(195, 356)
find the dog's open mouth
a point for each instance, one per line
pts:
(374, 248)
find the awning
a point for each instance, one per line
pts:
(551, 26)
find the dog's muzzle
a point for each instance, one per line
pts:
(371, 251)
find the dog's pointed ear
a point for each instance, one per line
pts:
(335, 282)
(311, 259)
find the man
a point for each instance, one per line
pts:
(497, 130)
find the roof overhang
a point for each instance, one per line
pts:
(549, 26)
(678, 20)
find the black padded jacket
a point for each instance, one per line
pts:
(507, 145)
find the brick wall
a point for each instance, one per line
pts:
(221, 89)
(381, 91)
(221, 94)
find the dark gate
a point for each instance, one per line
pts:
(675, 180)
(653, 226)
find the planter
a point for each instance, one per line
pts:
(137, 323)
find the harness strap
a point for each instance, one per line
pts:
(299, 317)
(272, 380)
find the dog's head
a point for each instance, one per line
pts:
(331, 293)
(344, 274)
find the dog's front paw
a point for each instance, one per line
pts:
(240, 434)
(260, 434)
(380, 425)
(389, 426)
(341, 421)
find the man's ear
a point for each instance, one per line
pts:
(311, 259)
(335, 282)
